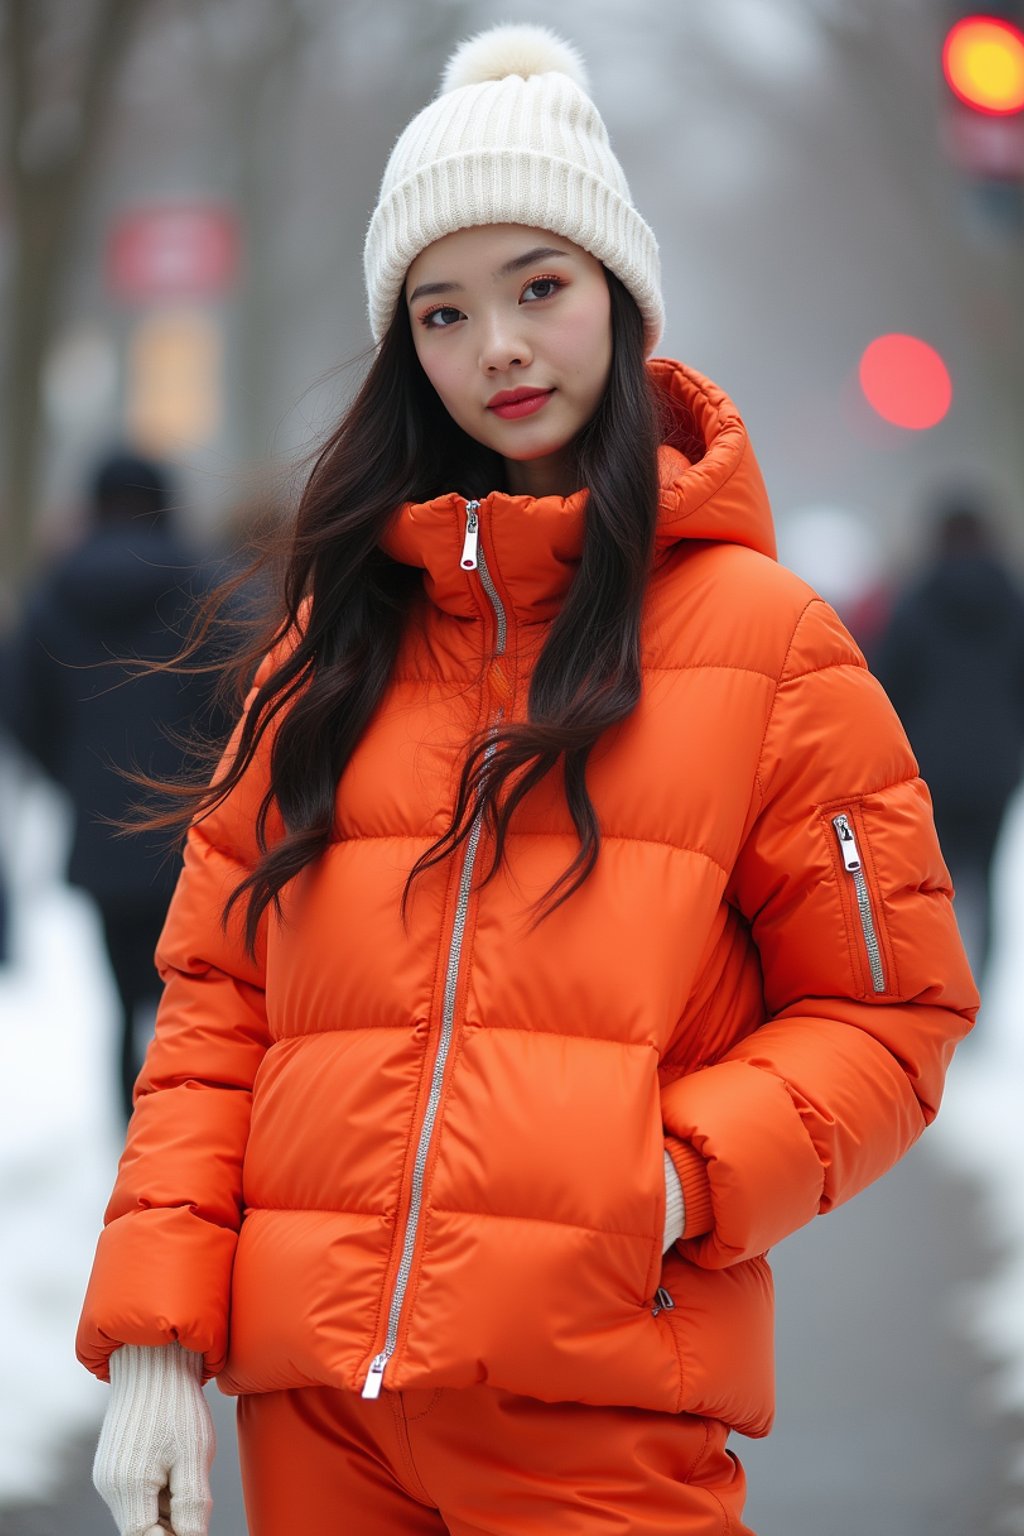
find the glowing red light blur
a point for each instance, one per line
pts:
(906, 381)
(983, 61)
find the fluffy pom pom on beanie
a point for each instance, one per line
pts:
(512, 138)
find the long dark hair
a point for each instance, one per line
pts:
(345, 603)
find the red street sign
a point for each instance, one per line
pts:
(183, 250)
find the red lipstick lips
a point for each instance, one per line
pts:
(512, 403)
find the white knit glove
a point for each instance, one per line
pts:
(675, 1208)
(157, 1435)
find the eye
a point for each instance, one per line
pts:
(441, 318)
(542, 288)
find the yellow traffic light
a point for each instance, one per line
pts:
(983, 61)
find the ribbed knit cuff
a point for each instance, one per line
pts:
(148, 1367)
(675, 1210)
(695, 1184)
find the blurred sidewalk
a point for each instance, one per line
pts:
(889, 1416)
(886, 1416)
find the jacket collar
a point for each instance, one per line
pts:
(533, 544)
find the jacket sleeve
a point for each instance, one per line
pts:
(163, 1263)
(866, 986)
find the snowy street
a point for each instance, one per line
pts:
(715, 282)
(901, 1317)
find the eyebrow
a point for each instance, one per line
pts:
(539, 252)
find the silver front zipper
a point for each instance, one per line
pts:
(375, 1375)
(471, 541)
(853, 866)
(472, 559)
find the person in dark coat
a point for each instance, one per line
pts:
(127, 591)
(952, 660)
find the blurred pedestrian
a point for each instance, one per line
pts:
(952, 660)
(125, 591)
(543, 952)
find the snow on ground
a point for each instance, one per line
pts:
(58, 1143)
(59, 1138)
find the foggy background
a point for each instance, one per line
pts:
(789, 155)
(184, 190)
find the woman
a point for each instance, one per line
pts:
(585, 931)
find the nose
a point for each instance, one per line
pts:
(503, 346)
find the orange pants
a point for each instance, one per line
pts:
(480, 1462)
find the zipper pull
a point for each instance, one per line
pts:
(468, 561)
(662, 1302)
(375, 1376)
(847, 844)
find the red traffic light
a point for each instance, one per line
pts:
(983, 61)
(906, 381)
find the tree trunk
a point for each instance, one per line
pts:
(45, 203)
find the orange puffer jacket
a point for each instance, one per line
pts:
(431, 1154)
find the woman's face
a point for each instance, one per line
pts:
(512, 326)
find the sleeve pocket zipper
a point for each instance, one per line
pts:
(855, 869)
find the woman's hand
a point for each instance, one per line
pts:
(153, 1460)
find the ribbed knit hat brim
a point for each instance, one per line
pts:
(513, 148)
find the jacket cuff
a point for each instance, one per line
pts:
(696, 1186)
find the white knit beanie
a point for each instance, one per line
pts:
(512, 138)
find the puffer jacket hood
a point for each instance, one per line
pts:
(391, 1152)
(721, 496)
